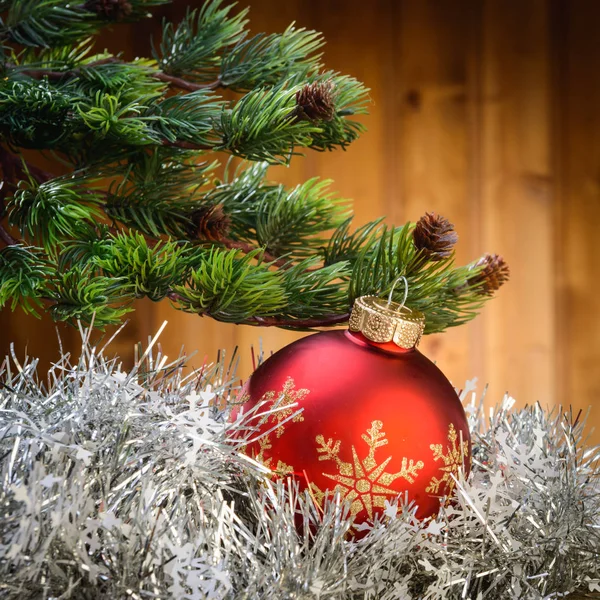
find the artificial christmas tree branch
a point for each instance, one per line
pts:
(301, 324)
(182, 84)
(59, 75)
(247, 249)
(141, 213)
(178, 82)
(185, 145)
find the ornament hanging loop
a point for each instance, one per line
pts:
(389, 301)
(383, 322)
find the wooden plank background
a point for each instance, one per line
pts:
(486, 111)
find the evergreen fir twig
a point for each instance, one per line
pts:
(302, 324)
(140, 212)
(57, 76)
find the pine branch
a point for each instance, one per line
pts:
(52, 211)
(249, 249)
(42, 73)
(147, 270)
(47, 23)
(139, 215)
(107, 122)
(23, 277)
(189, 86)
(59, 76)
(116, 203)
(12, 170)
(289, 222)
(285, 323)
(301, 324)
(186, 145)
(80, 294)
(261, 127)
(270, 59)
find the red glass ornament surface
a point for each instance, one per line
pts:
(377, 421)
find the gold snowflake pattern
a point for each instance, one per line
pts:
(281, 468)
(452, 461)
(364, 483)
(283, 401)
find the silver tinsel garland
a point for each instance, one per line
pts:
(132, 485)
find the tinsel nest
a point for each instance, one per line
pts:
(132, 485)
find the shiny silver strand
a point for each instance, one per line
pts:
(134, 485)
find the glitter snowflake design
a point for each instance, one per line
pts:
(283, 401)
(286, 402)
(453, 460)
(281, 468)
(364, 483)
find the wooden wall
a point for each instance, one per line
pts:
(486, 111)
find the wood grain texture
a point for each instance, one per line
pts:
(486, 111)
(430, 160)
(516, 200)
(578, 145)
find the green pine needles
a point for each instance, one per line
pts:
(141, 212)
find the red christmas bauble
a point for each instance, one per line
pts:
(376, 421)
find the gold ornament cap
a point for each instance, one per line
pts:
(383, 321)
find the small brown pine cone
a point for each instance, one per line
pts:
(315, 102)
(434, 236)
(211, 223)
(494, 273)
(115, 10)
